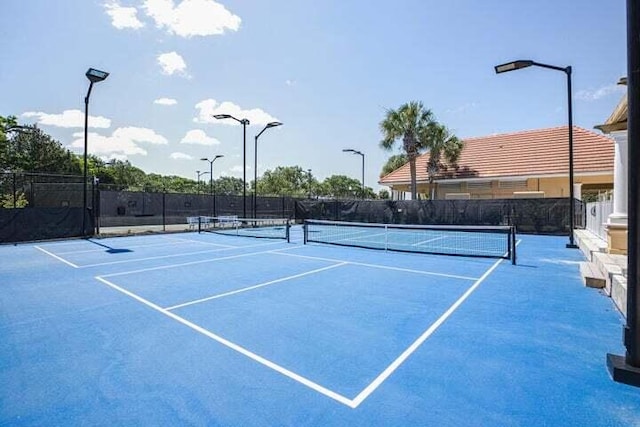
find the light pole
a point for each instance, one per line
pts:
(255, 164)
(198, 182)
(517, 65)
(244, 123)
(350, 150)
(94, 76)
(211, 190)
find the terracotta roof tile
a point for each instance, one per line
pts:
(527, 153)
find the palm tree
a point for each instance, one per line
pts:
(411, 122)
(441, 142)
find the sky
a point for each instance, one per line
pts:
(327, 69)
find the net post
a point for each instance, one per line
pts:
(288, 231)
(513, 245)
(199, 224)
(386, 237)
(304, 232)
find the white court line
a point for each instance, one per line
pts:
(134, 246)
(422, 338)
(199, 242)
(385, 267)
(428, 240)
(56, 257)
(272, 282)
(183, 264)
(269, 364)
(124, 261)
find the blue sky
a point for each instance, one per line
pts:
(327, 69)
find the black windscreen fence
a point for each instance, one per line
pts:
(536, 216)
(127, 208)
(39, 207)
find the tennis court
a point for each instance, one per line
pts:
(207, 329)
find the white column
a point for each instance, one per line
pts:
(577, 191)
(620, 167)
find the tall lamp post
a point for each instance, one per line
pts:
(198, 182)
(94, 76)
(244, 123)
(211, 190)
(255, 164)
(517, 65)
(350, 150)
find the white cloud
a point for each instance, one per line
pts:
(197, 136)
(165, 101)
(68, 119)
(192, 17)
(123, 142)
(236, 169)
(140, 135)
(180, 156)
(289, 82)
(209, 107)
(172, 63)
(123, 17)
(595, 94)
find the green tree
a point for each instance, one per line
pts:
(441, 143)
(284, 180)
(32, 150)
(394, 162)
(410, 123)
(341, 186)
(384, 194)
(228, 185)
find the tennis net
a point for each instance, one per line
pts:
(269, 228)
(472, 241)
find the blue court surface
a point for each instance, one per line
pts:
(205, 329)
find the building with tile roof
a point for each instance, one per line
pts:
(532, 163)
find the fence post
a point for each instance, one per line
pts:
(15, 196)
(164, 210)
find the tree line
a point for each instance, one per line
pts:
(26, 148)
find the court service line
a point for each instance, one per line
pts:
(265, 362)
(183, 264)
(56, 257)
(421, 339)
(385, 267)
(249, 288)
(428, 240)
(175, 255)
(199, 242)
(138, 246)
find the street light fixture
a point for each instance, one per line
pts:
(94, 76)
(255, 164)
(519, 64)
(350, 150)
(244, 123)
(198, 181)
(211, 189)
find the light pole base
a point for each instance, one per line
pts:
(622, 372)
(572, 246)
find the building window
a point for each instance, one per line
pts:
(479, 186)
(519, 185)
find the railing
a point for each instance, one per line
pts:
(597, 215)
